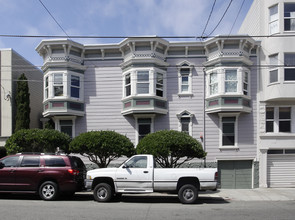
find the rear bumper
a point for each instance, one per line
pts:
(208, 185)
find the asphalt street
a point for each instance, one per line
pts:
(154, 206)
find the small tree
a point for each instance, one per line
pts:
(102, 147)
(171, 148)
(37, 140)
(22, 118)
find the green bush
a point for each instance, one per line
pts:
(3, 152)
(102, 147)
(37, 140)
(171, 148)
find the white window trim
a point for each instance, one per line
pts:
(235, 146)
(187, 65)
(136, 117)
(57, 120)
(276, 119)
(188, 115)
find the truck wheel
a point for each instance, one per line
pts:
(48, 191)
(103, 192)
(188, 194)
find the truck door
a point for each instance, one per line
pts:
(136, 175)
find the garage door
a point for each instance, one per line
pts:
(281, 170)
(235, 174)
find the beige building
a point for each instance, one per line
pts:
(12, 66)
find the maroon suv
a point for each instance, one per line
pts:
(46, 175)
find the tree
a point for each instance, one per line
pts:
(171, 148)
(3, 152)
(102, 147)
(37, 140)
(22, 104)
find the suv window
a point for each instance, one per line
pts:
(76, 162)
(54, 162)
(30, 161)
(10, 161)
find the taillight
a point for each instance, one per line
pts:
(73, 172)
(216, 176)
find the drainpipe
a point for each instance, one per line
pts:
(204, 115)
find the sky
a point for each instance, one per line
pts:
(113, 18)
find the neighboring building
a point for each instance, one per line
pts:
(276, 74)
(143, 85)
(12, 66)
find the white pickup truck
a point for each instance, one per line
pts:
(139, 175)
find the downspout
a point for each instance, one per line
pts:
(204, 115)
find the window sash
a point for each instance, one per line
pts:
(213, 83)
(273, 19)
(228, 131)
(143, 82)
(128, 85)
(159, 85)
(231, 81)
(289, 16)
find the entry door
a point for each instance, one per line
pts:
(135, 176)
(235, 174)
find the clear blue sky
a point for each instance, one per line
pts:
(112, 18)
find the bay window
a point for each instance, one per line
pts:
(278, 119)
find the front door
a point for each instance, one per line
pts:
(7, 173)
(135, 176)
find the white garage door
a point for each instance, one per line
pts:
(281, 170)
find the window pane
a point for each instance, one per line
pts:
(55, 162)
(184, 71)
(30, 162)
(273, 13)
(284, 126)
(228, 140)
(58, 79)
(159, 93)
(58, 90)
(184, 88)
(142, 76)
(269, 113)
(231, 75)
(127, 79)
(142, 88)
(274, 59)
(228, 128)
(289, 74)
(75, 81)
(10, 161)
(231, 86)
(269, 126)
(289, 10)
(75, 92)
(273, 76)
(285, 113)
(67, 129)
(159, 78)
(128, 90)
(213, 78)
(185, 127)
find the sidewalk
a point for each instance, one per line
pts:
(258, 194)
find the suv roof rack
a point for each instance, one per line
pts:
(39, 153)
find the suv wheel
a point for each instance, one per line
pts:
(48, 191)
(103, 192)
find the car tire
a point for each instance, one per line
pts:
(103, 192)
(188, 194)
(48, 191)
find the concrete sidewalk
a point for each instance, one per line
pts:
(258, 194)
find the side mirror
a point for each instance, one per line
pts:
(125, 166)
(2, 165)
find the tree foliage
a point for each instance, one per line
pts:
(171, 148)
(37, 140)
(22, 100)
(102, 147)
(3, 152)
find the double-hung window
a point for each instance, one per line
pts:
(289, 60)
(270, 114)
(289, 16)
(46, 87)
(284, 119)
(127, 84)
(231, 81)
(273, 20)
(246, 83)
(66, 126)
(273, 72)
(144, 127)
(184, 72)
(75, 86)
(58, 84)
(213, 83)
(143, 83)
(159, 85)
(228, 131)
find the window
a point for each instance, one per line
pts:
(231, 81)
(10, 161)
(185, 79)
(159, 85)
(30, 161)
(66, 126)
(228, 131)
(137, 162)
(285, 119)
(46, 87)
(144, 127)
(127, 85)
(273, 20)
(246, 83)
(273, 73)
(58, 84)
(289, 16)
(269, 119)
(185, 122)
(143, 82)
(289, 60)
(54, 162)
(213, 83)
(278, 119)
(75, 86)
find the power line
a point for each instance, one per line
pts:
(237, 16)
(54, 18)
(208, 18)
(222, 16)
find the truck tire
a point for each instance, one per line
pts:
(188, 194)
(103, 192)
